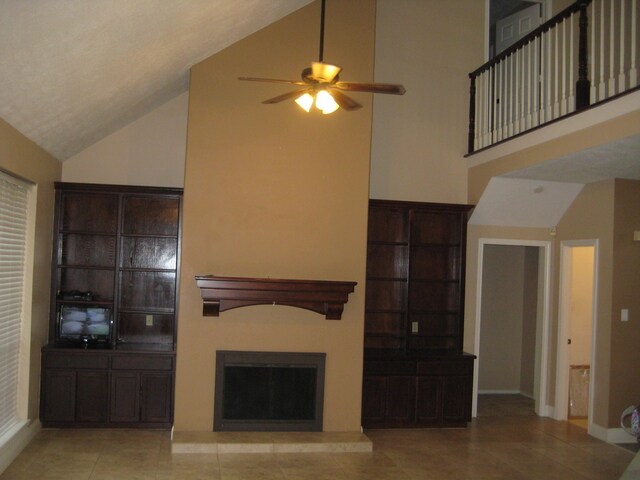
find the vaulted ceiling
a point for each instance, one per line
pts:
(74, 71)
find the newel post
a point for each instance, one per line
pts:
(583, 85)
(472, 112)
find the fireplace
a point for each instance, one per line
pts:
(269, 391)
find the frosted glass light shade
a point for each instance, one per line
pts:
(325, 102)
(305, 101)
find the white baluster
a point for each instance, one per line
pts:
(499, 100)
(621, 76)
(612, 42)
(512, 105)
(476, 133)
(529, 122)
(571, 101)
(556, 90)
(633, 72)
(602, 86)
(548, 80)
(536, 81)
(592, 57)
(563, 66)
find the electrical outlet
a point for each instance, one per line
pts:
(149, 320)
(414, 327)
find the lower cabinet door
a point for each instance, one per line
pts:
(374, 399)
(401, 398)
(92, 393)
(156, 397)
(59, 396)
(428, 400)
(457, 399)
(125, 397)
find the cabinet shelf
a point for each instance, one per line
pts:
(87, 232)
(146, 235)
(86, 267)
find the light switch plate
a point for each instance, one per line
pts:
(149, 320)
(624, 315)
(414, 327)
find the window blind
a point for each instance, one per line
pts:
(13, 236)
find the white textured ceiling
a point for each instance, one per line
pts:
(73, 71)
(618, 159)
(517, 202)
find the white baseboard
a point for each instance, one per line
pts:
(498, 392)
(20, 439)
(547, 411)
(611, 435)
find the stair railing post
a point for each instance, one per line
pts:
(583, 85)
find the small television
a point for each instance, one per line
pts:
(84, 324)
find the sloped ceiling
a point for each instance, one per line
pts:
(74, 71)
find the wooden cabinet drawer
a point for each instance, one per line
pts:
(88, 360)
(381, 367)
(142, 362)
(445, 367)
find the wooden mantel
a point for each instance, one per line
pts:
(321, 296)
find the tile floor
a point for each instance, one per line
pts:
(515, 446)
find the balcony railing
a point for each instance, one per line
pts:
(586, 54)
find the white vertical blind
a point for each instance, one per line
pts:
(13, 231)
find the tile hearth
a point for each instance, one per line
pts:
(270, 442)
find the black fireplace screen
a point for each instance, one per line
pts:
(269, 391)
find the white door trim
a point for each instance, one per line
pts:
(562, 366)
(545, 248)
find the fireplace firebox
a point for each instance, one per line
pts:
(269, 391)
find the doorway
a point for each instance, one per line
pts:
(576, 342)
(512, 319)
(510, 20)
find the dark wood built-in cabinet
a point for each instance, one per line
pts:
(116, 256)
(415, 373)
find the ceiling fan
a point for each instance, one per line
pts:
(322, 85)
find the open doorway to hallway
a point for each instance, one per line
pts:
(576, 324)
(512, 326)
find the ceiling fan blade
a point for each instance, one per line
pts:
(391, 88)
(286, 96)
(271, 80)
(324, 72)
(344, 101)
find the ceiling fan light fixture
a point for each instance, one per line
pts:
(305, 101)
(325, 102)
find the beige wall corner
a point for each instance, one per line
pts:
(21, 157)
(271, 191)
(625, 336)
(148, 151)
(420, 139)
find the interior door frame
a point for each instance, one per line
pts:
(564, 306)
(545, 247)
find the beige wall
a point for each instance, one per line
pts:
(20, 156)
(591, 217)
(419, 139)
(502, 318)
(271, 191)
(625, 336)
(148, 151)
(580, 323)
(530, 316)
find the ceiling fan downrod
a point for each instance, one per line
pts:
(321, 54)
